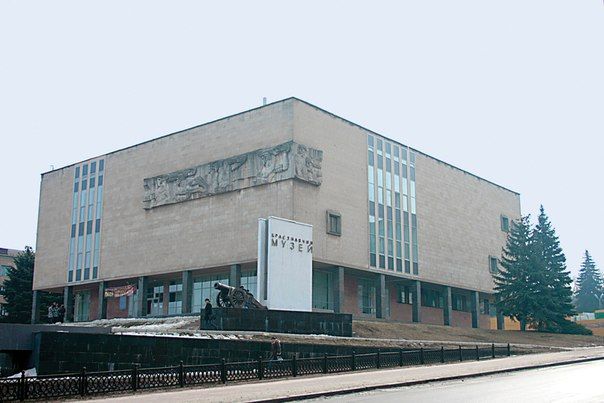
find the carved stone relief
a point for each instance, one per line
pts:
(285, 161)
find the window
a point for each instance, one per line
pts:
(505, 224)
(123, 300)
(4, 270)
(249, 281)
(485, 307)
(493, 264)
(322, 290)
(459, 302)
(175, 296)
(366, 297)
(334, 223)
(203, 287)
(432, 298)
(405, 295)
(155, 300)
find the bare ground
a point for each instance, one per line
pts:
(367, 333)
(411, 331)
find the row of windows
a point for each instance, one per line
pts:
(203, 287)
(87, 208)
(93, 165)
(435, 299)
(392, 206)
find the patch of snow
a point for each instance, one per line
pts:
(158, 327)
(148, 324)
(28, 372)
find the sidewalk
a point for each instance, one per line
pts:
(314, 386)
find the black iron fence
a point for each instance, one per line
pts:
(92, 383)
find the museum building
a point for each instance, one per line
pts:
(396, 234)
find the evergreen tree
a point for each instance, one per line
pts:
(554, 281)
(515, 283)
(18, 289)
(590, 286)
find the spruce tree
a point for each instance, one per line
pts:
(18, 290)
(554, 281)
(590, 286)
(515, 283)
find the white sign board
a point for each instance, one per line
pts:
(285, 264)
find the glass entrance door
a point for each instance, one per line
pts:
(155, 300)
(82, 306)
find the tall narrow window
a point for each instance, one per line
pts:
(86, 210)
(393, 234)
(334, 223)
(505, 224)
(493, 264)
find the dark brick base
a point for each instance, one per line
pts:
(333, 324)
(69, 352)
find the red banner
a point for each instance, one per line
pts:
(123, 291)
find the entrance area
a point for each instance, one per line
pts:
(82, 306)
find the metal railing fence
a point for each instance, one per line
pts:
(97, 383)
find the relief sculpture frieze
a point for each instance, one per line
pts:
(285, 161)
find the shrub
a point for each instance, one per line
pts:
(568, 327)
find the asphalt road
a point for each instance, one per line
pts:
(569, 383)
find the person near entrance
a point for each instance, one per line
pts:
(62, 313)
(53, 313)
(208, 316)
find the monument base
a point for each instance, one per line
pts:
(277, 321)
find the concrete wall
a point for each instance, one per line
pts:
(344, 187)
(350, 295)
(459, 224)
(193, 234)
(458, 213)
(54, 226)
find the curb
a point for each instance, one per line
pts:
(423, 381)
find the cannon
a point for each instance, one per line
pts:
(232, 297)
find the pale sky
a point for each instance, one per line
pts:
(512, 91)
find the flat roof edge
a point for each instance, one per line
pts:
(398, 142)
(274, 103)
(171, 134)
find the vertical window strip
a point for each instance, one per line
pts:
(412, 193)
(98, 219)
(393, 239)
(74, 217)
(371, 172)
(82, 255)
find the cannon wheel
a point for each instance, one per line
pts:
(238, 297)
(223, 302)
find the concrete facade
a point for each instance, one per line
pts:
(458, 218)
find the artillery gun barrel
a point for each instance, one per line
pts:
(223, 287)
